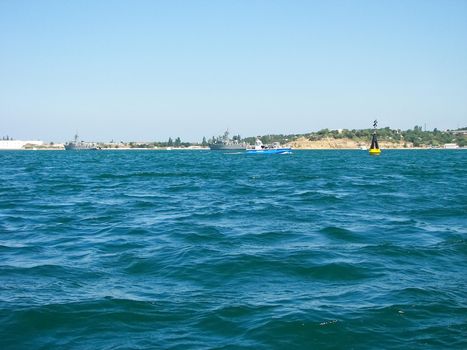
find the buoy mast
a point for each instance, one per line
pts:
(374, 148)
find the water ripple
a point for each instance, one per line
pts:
(196, 250)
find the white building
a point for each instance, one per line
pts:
(18, 144)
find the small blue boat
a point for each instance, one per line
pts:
(274, 149)
(270, 151)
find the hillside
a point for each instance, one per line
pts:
(342, 143)
(354, 139)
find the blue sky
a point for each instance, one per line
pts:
(149, 70)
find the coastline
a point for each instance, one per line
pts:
(344, 143)
(207, 149)
(341, 139)
(348, 144)
(301, 143)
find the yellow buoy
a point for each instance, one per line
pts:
(374, 148)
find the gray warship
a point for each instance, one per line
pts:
(225, 143)
(77, 145)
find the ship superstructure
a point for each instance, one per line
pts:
(225, 143)
(78, 145)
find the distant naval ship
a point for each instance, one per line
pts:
(80, 145)
(224, 143)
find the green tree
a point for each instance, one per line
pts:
(177, 142)
(204, 143)
(461, 140)
(170, 143)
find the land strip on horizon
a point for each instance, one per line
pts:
(322, 139)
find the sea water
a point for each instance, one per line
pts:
(214, 250)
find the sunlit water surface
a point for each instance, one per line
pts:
(199, 249)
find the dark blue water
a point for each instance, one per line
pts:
(199, 250)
